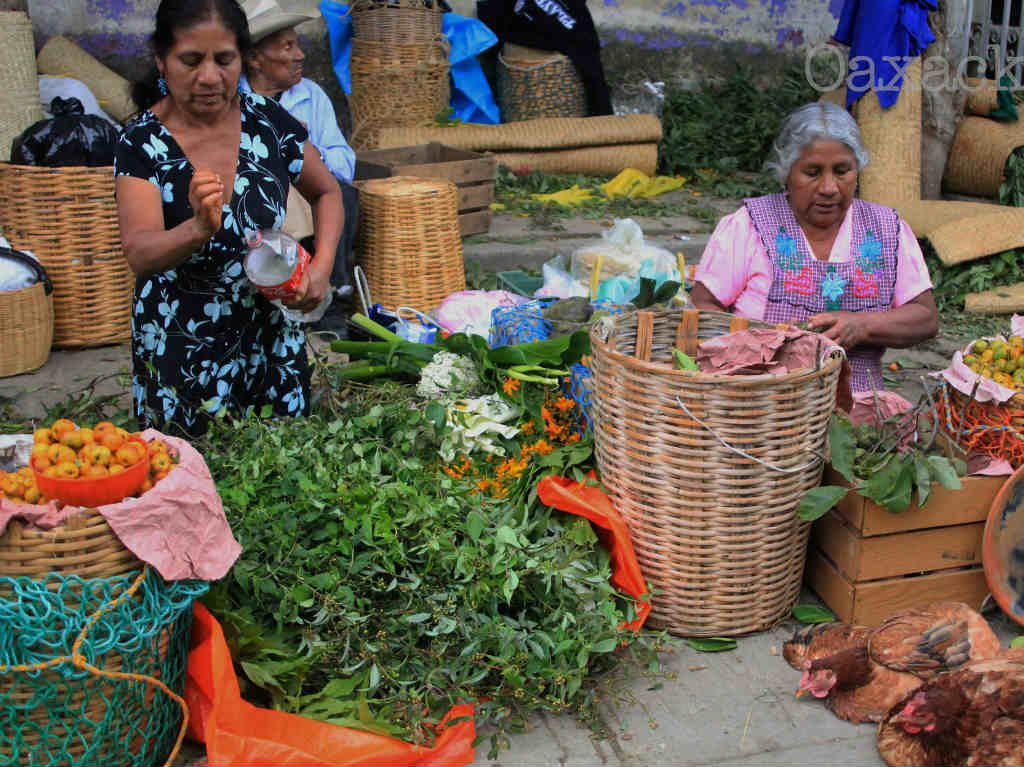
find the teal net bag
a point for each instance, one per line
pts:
(92, 669)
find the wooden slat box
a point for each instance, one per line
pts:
(866, 562)
(472, 172)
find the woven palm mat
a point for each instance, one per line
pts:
(62, 57)
(594, 161)
(893, 139)
(982, 96)
(19, 97)
(532, 135)
(1005, 300)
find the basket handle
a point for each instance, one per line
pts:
(31, 263)
(644, 335)
(686, 337)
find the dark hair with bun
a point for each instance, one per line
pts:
(173, 16)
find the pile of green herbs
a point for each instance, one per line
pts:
(953, 283)
(375, 591)
(729, 125)
(888, 463)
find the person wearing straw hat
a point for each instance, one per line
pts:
(201, 168)
(273, 69)
(817, 254)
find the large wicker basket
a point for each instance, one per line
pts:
(409, 244)
(534, 84)
(26, 323)
(62, 711)
(396, 85)
(396, 22)
(715, 529)
(68, 218)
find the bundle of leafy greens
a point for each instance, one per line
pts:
(377, 587)
(886, 463)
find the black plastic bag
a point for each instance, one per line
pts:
(70, 137)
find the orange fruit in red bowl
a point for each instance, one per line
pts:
(97, 490)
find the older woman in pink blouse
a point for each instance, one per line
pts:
(850, 269)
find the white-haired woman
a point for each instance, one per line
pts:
(850, 269)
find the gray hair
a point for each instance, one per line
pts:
(807, 124)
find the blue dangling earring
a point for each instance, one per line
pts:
(161, 85)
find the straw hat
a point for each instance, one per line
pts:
(266, 17)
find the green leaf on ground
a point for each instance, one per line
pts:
(712, 644)
(812, 614)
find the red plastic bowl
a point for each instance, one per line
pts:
(96, 491)
(1002, 549)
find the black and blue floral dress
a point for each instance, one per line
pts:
(202, 337)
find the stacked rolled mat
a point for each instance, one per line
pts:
(958, 231)
(399, 67)
(602, 145)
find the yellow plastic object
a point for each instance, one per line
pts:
(595, 277)
(635, 184)
(568, 197)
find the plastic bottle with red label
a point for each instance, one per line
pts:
(275, 265)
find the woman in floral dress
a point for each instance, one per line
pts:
(850, 269)
(196, 171)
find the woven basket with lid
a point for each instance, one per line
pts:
(715, 531)
(409, 243)
(533, 83)
(396, 22)
(68, 218)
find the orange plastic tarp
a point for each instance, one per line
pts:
(591, 502)
(238, 733)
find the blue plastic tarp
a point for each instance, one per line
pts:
(472, 100)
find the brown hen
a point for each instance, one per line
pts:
(971, 716)
(861, 672)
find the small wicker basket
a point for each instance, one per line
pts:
(409, 244)
(707, 469)
(396, 22)
(68, 218)
(538, 84)
(26, 322)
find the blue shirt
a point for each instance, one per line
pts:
(307, 103)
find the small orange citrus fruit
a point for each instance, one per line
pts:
(42, 437)
(67, 470)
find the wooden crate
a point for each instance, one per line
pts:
(472, 172)
(866, 562)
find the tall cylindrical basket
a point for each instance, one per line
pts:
(707, 470)
(409, 244)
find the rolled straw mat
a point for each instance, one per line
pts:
(1005, 300)
(63, 57)
(982, 96)
(964, 231)
(977, 158)
(593, 161)
(19, 96)
(532, 135)
(893, 139)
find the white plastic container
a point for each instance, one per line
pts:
(275, 265)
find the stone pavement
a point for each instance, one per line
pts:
(729, 708)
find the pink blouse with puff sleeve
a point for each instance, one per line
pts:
(737, 269)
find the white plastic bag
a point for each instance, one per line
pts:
(558, 283)
(15, 275)
(622, 257)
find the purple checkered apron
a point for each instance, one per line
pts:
(802, 285)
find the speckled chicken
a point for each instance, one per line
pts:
(971, 716)
(862, 672)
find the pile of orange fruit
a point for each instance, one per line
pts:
(66, 451)
(999, 360)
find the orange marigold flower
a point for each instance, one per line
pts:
(511, 385)
(483, 484)
(528, 427)
(543, 447)
(564, 404)
(553, 429)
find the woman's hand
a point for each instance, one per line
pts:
(848, 329)
(311, 291)
(206, 196)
